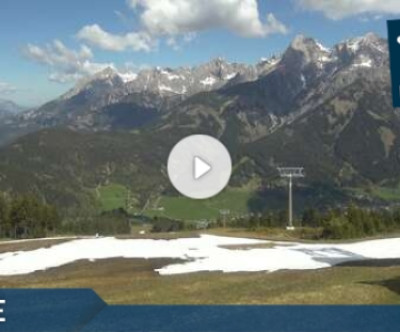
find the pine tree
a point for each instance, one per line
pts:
(3, 216)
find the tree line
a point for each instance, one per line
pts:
(356, 222)
(115, 222)
(344, 223)
(27, 217)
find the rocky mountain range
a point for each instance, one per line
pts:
(328, 110)
(9, 108)
(305, 64)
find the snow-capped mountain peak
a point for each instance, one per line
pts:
(128, 76)
(306, 61)
(306, 69)
(366, 51)
(107, 78)
(304, 51)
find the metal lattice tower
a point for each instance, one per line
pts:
(291, 173)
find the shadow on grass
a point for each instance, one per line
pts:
(372, 263)
(391, 284)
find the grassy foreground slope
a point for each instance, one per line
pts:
(122, 281)
(134, 281)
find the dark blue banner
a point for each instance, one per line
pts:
(48, 310)
(394, 49)
(83, 310)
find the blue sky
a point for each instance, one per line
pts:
(47, 45)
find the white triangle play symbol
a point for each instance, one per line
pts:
(200, 168)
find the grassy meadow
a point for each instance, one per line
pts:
(134, 281)
(121, 281)
(235, 200)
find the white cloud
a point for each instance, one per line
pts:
(173, 21)
(175, 17)
(182, 18)
(6, 88)
(136, 41)
(175, 42)
(339, 9)
(65, 65)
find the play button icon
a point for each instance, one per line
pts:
(199, 166)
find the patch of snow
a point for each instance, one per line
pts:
(128, 77)
(209, 81)
(380, 48)
(274, 61)
(365, 63)
(274, 121)
(230, 76)
(287, 256)
(29, 115)
(165, 88)
(323, 48)
(171, 76)
(206, 253)
(303, 81)
(325, 59)
(354, 44)
(271, 61)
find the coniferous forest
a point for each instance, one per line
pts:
(27, 217)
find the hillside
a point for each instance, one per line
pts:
(328, 110)
(67, 167)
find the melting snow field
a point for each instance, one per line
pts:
(206, 253)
